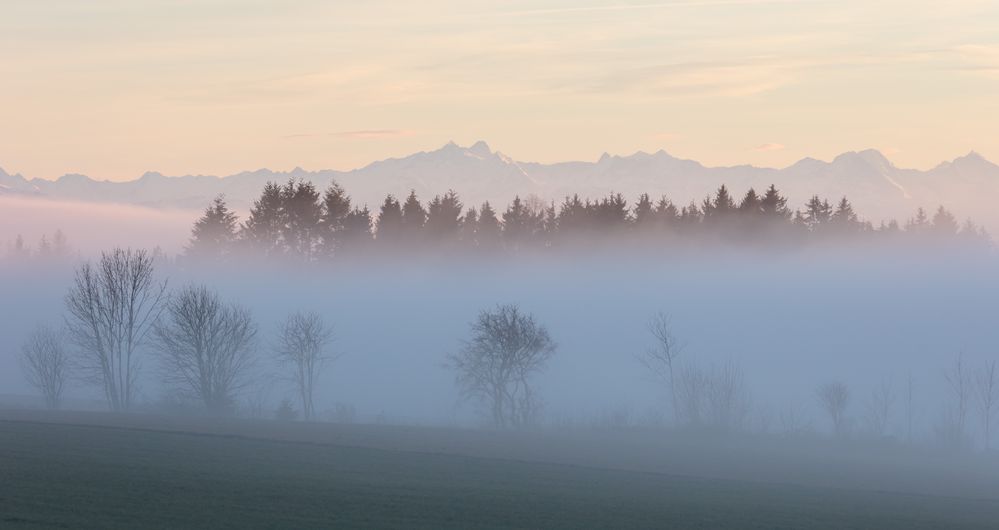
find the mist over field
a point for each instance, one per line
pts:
(790, 322)
(91, 228)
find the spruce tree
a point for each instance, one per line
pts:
(844, 219)
(356, 230)
(214, 234)
(973, 235)
(944, 223)
(414, 218)
(774, 205)
(444, 217)
(691, 217)
(489, 230)
(44, 247)
(572, 217)
(718, 211)
(751, 205)
(336, 208)
(517, 224)
(469, 227)
(264, 226)
(723, 203)
(612, 212)
(644, 212)
(549, 225)
(750, 218)
(666, 214)
(303, 213)
(389, 222)
(707, 210)
(60, 246)
(968, 229)
(818, 212)
(918, 224)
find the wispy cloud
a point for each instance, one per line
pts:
(983, 59)
(698, 79)
(363, 134)
(634, 7)
(763, 148)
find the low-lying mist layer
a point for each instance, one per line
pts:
(764, 339)
(89, 227)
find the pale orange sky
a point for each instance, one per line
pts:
(113, 88)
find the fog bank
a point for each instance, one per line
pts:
(789, 322)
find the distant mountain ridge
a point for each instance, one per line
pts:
(878, 189)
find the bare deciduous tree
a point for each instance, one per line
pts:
(987, 392)
(794, 420)
(691, 394)
(959, 381)
(111, 308)
(303, 341)
(728, 397)
(716, 397)
(834, 398)
(206, 346)
(507, 347)
(45, 364)
(908, 408)
(660, 359)
(879, 408)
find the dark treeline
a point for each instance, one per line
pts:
(297, 221)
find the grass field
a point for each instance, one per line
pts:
(58, 475)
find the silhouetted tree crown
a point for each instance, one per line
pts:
(214, 234)
(335, 210)
(414, 216)
(444, 217)
(488, 230)
(264, 226)
(390, 221)
(303, 215)
(774, 205)
(495, 365)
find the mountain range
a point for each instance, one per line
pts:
(877, 188)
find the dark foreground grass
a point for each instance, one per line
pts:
(76, 476)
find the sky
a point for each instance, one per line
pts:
(114, 88)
